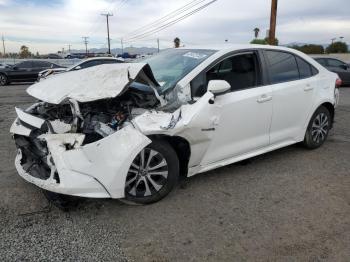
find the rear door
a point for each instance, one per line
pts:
(21, 71)
(39, 66)
(293, 86)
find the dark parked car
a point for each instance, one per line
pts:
(26, 71)
(336, 66)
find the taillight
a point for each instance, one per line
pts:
(338, 83)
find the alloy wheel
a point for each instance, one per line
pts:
(3, 80)
(147, 174)
(320, 128)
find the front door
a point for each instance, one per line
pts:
(246, 110)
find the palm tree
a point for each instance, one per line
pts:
(256, 32)
(177, 42)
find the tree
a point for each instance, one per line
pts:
(337, 47)
(177, 42)
(24, 52)
(256, 32)
(259, 42)
(310, 49)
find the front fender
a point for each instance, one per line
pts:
(107, 160)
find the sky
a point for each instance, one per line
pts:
(50, 25)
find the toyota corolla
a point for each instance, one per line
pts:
(128, 131)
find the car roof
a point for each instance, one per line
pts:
(100, 58)
(234, 47)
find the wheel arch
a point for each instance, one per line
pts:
(331, 109)
(182, 148)
(327, 104)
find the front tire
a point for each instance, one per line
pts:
(318, 128)
(153, 173)
(3, 80)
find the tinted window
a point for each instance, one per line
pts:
(90, 63)
(283, 67)
(304, 68)
(109, 61)
(335, 63)
(25, 64)
(41, 64)
(322, 61)
(239, 71)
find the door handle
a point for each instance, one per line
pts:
(264, 98)
(308, 88)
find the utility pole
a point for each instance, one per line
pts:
(333, 39)
(69, 48)
(3, 45)
(122, 44)
(107, 15)
(273, 19)
(158, 44)
(86, 42)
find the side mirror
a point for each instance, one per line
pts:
(77, 68)
(15, 68)
(218, 87)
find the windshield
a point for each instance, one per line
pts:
(171, 65)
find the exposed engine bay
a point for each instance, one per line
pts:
(100, 118)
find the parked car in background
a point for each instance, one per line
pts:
(75, 56)
(3, 65)
(26, 71)
(54, 56)
(336, 66)
(86, 63)
(131, 130)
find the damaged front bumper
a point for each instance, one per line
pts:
(59, 162)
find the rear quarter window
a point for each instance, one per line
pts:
(305, 69)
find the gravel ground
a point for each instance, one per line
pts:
(288, 205)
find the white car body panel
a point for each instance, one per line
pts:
(270, 117)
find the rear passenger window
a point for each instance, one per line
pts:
(282, 66)
(304, 68)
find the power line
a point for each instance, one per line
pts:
(107, 15)
(160, 28)
(168, 16)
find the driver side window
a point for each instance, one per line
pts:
(240, 71)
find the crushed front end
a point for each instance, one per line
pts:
(81, 148)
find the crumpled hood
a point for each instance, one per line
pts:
(94, 83)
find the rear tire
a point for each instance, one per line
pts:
(3, 80)
(153, 173)
(318, 128)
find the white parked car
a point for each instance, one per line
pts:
(85, 63)
(130, 130)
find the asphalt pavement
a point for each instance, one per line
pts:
(288, 205)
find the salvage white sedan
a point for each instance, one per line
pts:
(130, 130)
